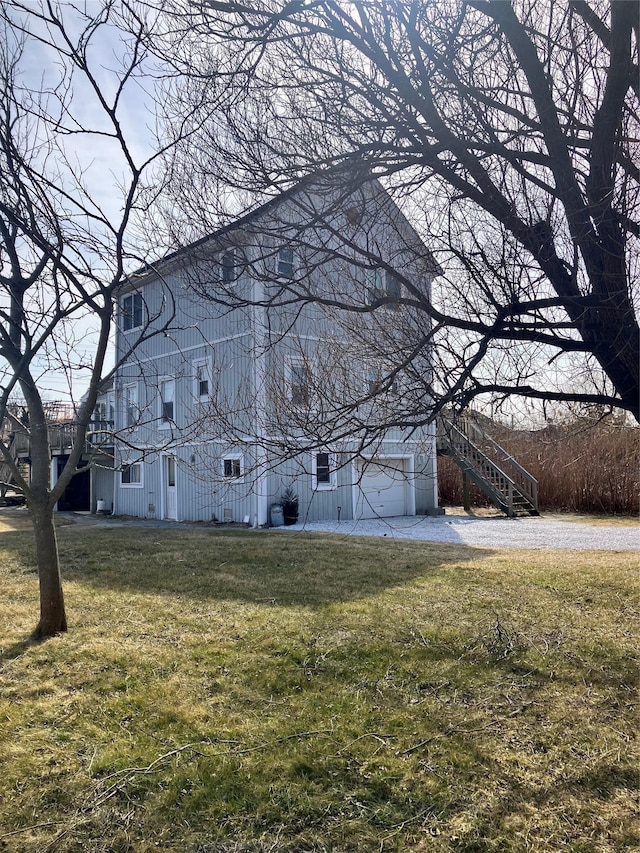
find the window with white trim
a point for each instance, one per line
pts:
(201, 380)
(324, 471)
(167, 401)
(232, 467)
(381, 284)
(229, 266)
(299, 382)
(131, 408)
(373, 381)
(393, 286)
(131, 475)
(379, 381)
(132, 311)
(285, 262)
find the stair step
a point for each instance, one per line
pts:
(487, 474)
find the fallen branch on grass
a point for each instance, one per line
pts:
(447, 733)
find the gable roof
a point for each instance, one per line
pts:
(331, 182)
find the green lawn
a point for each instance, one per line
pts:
(221, 692)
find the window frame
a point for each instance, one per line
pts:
(128, 466)
(393, 289)
(286, 265)
(294, 364)
(331, 484)
(203, 364)
(167, 422)
(232, 458)
(130, 402)
(374, 284)
(382, 284)
(135, 312)
(373, 381)
(376, 377)
(229, 272)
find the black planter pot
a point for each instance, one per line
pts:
(290, 512)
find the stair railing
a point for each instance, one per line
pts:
(502, 478)
(497, 484)
(525, 482)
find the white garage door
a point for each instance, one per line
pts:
(381, 489)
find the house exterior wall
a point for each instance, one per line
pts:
(338, 500)
(225, 446)
(102, 481)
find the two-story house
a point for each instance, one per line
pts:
(271, 354)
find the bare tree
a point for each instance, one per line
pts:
(507, 131)
(67, 237)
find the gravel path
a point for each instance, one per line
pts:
(537, 533)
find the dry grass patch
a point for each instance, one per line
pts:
(236, 692)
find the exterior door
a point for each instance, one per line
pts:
(170, 491)
(76, 497)
(382, 489)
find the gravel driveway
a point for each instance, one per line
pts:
(458, 529)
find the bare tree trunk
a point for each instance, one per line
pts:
(466, 492)
(53, 618)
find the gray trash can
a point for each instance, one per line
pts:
(277, 515)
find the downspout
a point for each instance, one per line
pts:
(117, 404)
(259, 337)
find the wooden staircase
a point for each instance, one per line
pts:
(6, 476)
(7, 480)
(482, 461)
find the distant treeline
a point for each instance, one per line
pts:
(579, 466)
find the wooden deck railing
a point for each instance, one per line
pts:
(62, 435)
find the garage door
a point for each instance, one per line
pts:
(381, 489)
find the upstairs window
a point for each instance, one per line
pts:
(381, 284)
(131, 410)
(373, 381)
(132, 311)
(393, 286)
(299, 383)
(229, 266)
(202, 383)
(375, 285)
(232, 467)
(167, 398)
(285, 262)
(379, 381)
